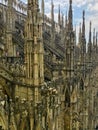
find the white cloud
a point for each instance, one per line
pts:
(93, 7)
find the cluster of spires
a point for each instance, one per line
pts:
(68, 18)
(60, 15)
(69, 22)
(91, 43)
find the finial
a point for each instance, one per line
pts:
(70, 1)
(83, 13)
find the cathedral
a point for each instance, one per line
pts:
(48, 81)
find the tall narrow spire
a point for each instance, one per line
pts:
(52, 10)
(83, 25)
(96, 42)
(90, 33)
(90, 43)
(59, 15)
(83, 42)
(43, 9)
(52, 24)
(94, 37)
(10, 15)
(83, 34)
(62, 22)
(70, 16)
(10, 48)
(75, 35)
(70, 43)
(34, 55)
(80, 34)
(34, 44)
(66, 20)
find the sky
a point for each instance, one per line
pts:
(90, 7)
